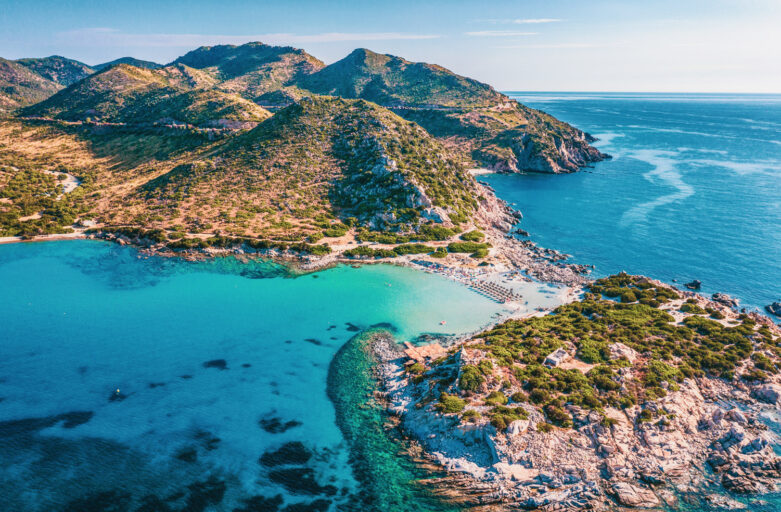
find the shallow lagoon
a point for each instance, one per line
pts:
(215, 362)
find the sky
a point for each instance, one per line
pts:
(521, 45)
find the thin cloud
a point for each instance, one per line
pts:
(536, 20)
(114, 37)
(522, 21)
(554, 45)
(499, 33)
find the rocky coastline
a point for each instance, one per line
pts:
(712, 444)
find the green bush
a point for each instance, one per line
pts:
(496, 398)
(469, 247)
(450, 404)
(473, 236)
(471, 378)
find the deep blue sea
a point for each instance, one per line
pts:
(693, 190)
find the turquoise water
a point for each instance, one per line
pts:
(693, 190)
(216, 364)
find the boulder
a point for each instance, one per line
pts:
(619, 350)
(774, 308)
(517, 427)
(769, 393)
(726, 300)
(631, 496)
(694, 285)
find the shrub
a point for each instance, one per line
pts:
(466, 247)
(470, 415)
(519, 397)
(690, 307)
(450, 404)
(416, 368)
(441, 252)
(471, 378)
(539, 396)
(496, 398)
(473, 236)
(544, 427)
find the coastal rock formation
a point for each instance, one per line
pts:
(774, 308)
(604, 424)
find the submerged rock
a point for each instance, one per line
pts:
(220, 364)
(107, 501)
(274, 425)
(300, 481)
(289, 453)
(261, 504)
(204, 494)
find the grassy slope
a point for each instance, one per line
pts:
(58, 69)
(317, 160)
(389, 80)
(20, 86)
(252, 69)
(127, 94)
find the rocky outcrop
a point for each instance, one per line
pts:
(774, 309)
(643, 457)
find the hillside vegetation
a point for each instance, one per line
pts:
(373, 145)
(322, 158)
(252, 69)
(58, 69)
(20, 86)
(127, 94)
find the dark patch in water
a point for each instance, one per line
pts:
(315, 276)
(117, 396)
(314, 341)
(261, 504)
(186, 377)
(153, 385)
(293, 452)
(208, 440)
(334, 338)
(82, 370)
(312, 506)
(274, 425)
(331, 327)
(33, 425)
(352, 327)
(384, 325)
(152, 503)
(220, 364)
(288, 342)
(246, 365)
(106, 501)
(300, 481)
(188, 454)
(203, 494)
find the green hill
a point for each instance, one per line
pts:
(320, 159)
(19, 86)
(127, 94)
(131, 61)
(58, 69)
(252, 69)
(392, 81)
